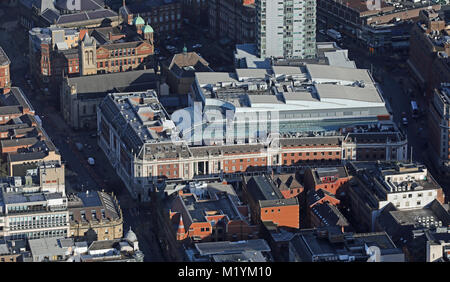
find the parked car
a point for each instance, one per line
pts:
(197, 46)
(405, 121)
(91, 161)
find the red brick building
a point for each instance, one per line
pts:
(5, 79)
(429, 51)
(267, 204)
(210, 212)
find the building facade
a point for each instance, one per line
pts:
(65, 14)
(429, 51)
(56, 53)
(97, 211)
(286, 29)
(232, 19)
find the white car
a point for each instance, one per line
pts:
(405, 121)
(91, 161)
(196, 46)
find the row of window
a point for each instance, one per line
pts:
(40, 234)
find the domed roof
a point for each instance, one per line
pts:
(147, 29)
(131, 236)
(138, 20)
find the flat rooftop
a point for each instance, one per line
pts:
(198, 209)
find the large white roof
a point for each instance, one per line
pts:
(321, 73)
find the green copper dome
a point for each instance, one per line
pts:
(138, 20)
(147, 29)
